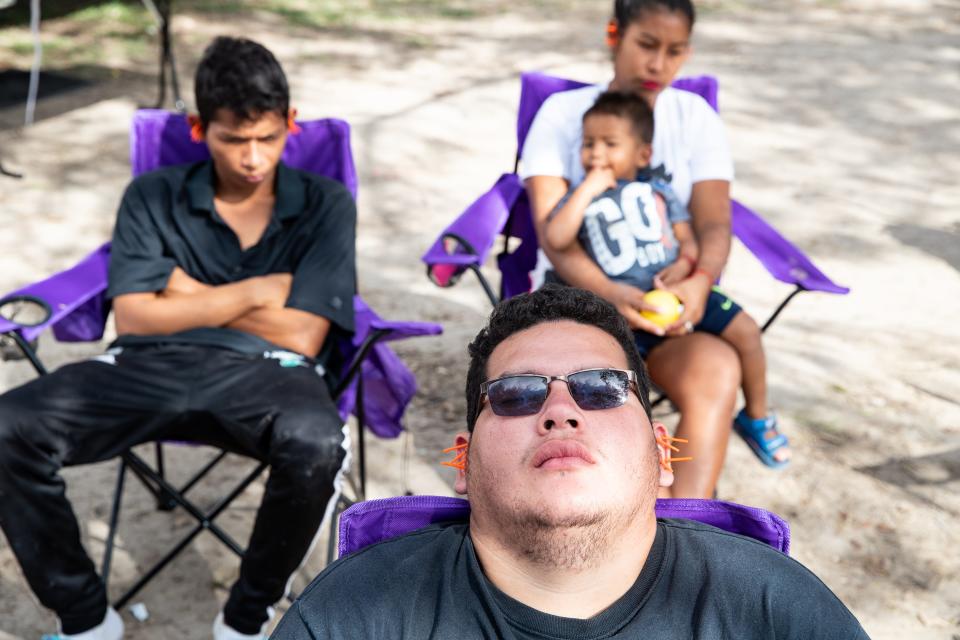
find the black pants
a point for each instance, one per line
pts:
(269, 409)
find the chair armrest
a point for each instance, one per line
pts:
(76, 298)
(779, 256)
(388, 385)
(366, 320)
(469, 239)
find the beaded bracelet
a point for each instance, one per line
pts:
(702, 271)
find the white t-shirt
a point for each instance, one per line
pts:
(688, 139)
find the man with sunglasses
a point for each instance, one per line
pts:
(562, 473)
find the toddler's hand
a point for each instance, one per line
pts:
(598, 180)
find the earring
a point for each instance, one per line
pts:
(196, 128)
(459, 461)
(292, 127)
(613, 34)
(666, 462)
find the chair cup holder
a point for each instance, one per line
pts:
(25, 310)
(444, 275)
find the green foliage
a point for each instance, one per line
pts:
(335, 13)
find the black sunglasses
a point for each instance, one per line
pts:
(592, 389)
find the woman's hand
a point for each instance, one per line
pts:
(693, 293)
(629, 302)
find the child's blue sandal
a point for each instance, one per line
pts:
(754, 433)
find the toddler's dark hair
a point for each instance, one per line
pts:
(629, 106)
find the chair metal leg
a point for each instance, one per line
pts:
(165, 501)
(783, 305)
(343, 503)
(28, 351)
(114, 517)
(361, 448)
(160, 11)
(485, 284)
(204, 521)
(199, 475)
(332, 535)
(171, 62)
(136, 462)
(357, 362)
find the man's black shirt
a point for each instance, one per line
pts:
(697, 582)
(167, 218)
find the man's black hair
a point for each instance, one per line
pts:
(628, 106)
(626, 11)
(242, 76)
(550, 303)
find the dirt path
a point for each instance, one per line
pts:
(845, 131)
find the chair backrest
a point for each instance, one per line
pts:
(373, 521)
(535, 88)
(468, 241)
(162, 138)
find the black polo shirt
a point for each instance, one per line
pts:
(167, 219)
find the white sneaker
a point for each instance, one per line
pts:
(222, 632)
(110, 629)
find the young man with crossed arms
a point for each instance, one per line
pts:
(228, 278)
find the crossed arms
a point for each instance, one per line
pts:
(254, 305)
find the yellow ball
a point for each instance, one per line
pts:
(668, 304)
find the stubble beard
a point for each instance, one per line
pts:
(573, 542)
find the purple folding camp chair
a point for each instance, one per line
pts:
(373, 383)
(504, 211)
(374, 521)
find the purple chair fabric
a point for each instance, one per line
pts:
(480, 223)
(78, 308)
(469, 239)
(160, 138)
(535, 88)
(374, 521)
(781, 258)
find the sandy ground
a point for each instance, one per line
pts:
(845, 128)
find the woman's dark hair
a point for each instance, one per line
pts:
(550, 303)
(628, 106)
(242, 76)
(626, 11)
